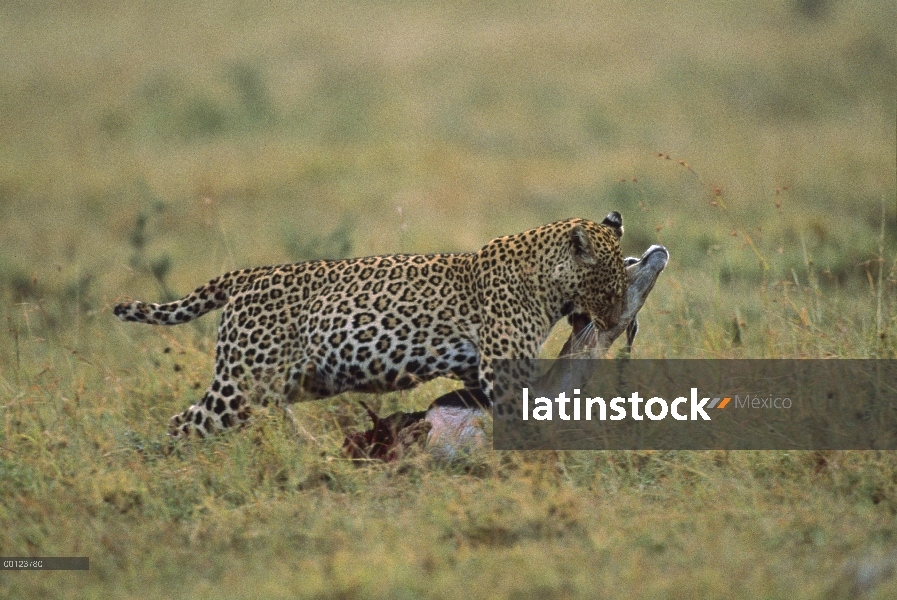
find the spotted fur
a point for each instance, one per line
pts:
(316, 329)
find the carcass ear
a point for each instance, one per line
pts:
(614, 221)
(583, 248)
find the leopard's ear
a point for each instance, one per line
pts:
(614, 221)
(583, 248)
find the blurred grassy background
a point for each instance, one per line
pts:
(194, 138)
(150, 146)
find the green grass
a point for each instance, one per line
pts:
(149, 147)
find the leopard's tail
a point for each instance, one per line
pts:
(207, 297)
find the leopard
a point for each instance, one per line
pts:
(317, 329)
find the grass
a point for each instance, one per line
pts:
(150, 147)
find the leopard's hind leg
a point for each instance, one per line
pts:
(226, 404)
(222, 407)
(227, 400)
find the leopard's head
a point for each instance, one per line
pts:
(597, 279)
